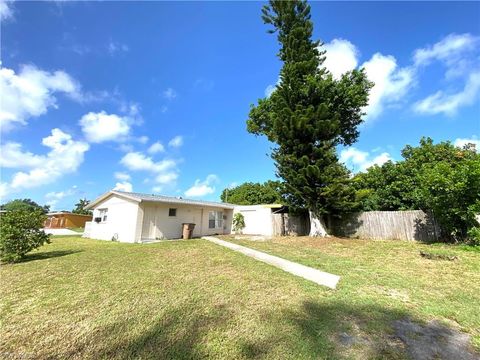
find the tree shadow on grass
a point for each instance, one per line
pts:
(179, 334)
(47, 255)
(343, 330)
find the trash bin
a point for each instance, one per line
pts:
(187, 230)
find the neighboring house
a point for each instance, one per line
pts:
(65, 219)
(272, 220)
(134, 217)
(258, 218)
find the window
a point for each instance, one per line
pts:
(102, 214)
(172, 212)
(215, 219)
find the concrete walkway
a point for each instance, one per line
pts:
(61, 232)
(317, 276)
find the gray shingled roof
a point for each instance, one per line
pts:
(172, 200)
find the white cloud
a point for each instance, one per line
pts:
(461, 142)
(449, 104)
(449, 50)
(341, 56)
(202, 188)
(391, 83)
(169, 94)
(156, 148)
(6, 11)
(176, 142)
(117, 47)
(100, 127)
(166, 178)
(138, 161)
(123, 186)
(121, 176)
(126, 148)
(12, 156)
(157, 189)
(31, 92)
(54, 197)
(165, 171)
(143, 139)
(271, 88)
(65, 156)
(359, 160)
(459, 53)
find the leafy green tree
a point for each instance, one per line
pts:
(80, 207)
(21, 232)
(24, 204)
(250, 193)
(386, 187)
(308, 114)
(451, 190)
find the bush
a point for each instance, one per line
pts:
(474, 236)
(238, 222)
(21, 232)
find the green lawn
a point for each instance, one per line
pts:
(78, 298)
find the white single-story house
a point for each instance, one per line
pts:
(135, 218)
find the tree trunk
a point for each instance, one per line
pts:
(317, 226)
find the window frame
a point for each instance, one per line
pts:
(217, 219)
(103, 215)
(174, 211)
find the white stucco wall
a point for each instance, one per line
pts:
(123, 218)
(157, 223)
(258, 219)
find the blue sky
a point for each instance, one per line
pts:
(153, 96)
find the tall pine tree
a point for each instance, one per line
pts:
(308, 114)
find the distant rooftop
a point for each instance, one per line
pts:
(66, 213)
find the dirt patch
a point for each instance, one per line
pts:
(434, 341)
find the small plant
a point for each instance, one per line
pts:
(238, 223)
(21, 232)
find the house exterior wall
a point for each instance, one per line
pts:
(258, 219)
(123, 219)
(157, 224)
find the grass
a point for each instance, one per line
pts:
(79, 298)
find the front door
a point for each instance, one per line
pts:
(149, 226)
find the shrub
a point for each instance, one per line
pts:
(474, 236)
(238, 222)
(21, 232)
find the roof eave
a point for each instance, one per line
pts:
(106, 195)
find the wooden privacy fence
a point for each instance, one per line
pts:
(388, 225)
(286, 224)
